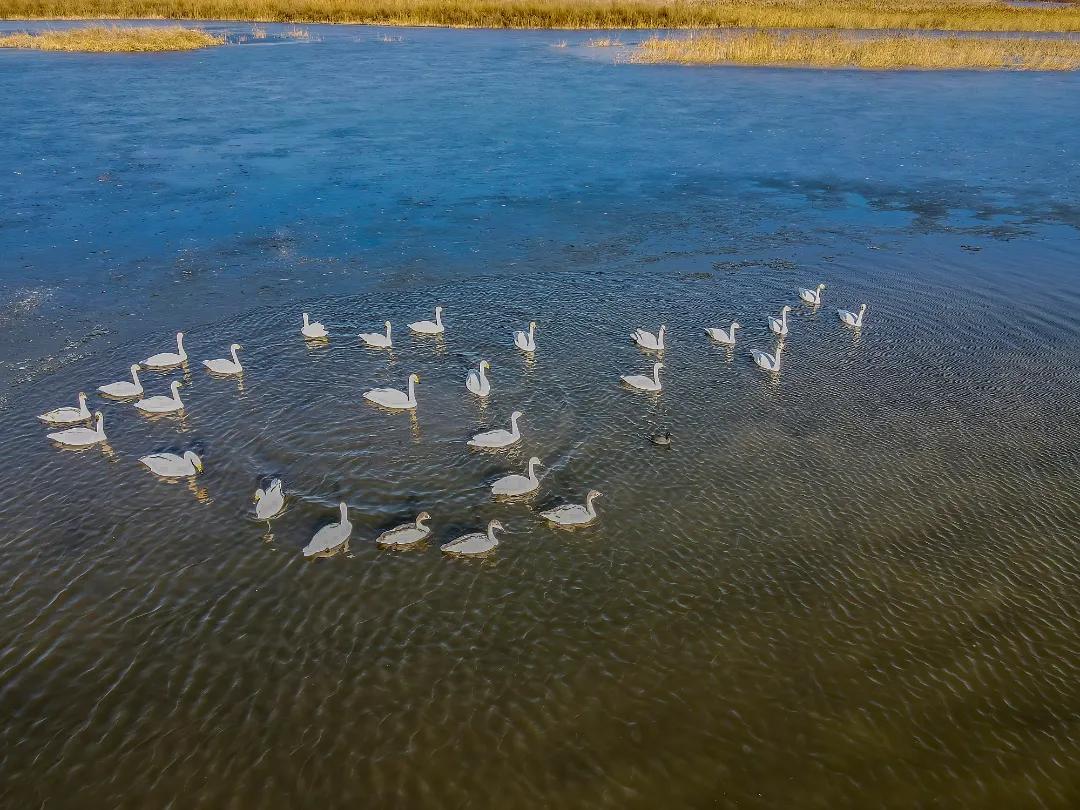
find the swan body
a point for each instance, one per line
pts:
(649, 341)
(778, 326)
(725, 336)
(393, 398)
(407, 534)
(477, 381)
(472, 544)
(225, 366)
(329, 539)
(499, 438)
(68, 415)
(313, 330)
(81, 436)
(766, 361)
(168, 359)
(573, 514)
(513, 485)
(170, 465)
(526, 341)
(643, 383)
(162, 404)
(124, 390)
(812, 296)
(270, 501)
(377, 340)
(850, 318)
(429, 327)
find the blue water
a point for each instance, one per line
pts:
(851, 586)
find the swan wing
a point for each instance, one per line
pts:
(470, 544)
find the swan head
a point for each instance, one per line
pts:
(862, 309)
(485, 364)
(344, 509)
(99, 419)
(592, 495)
(532, 324)
(388, 326)
(786, 308)
(516, 415)
(194, 460)
(179, 336)
(423, 516)
(656, 368)
(235, 347)
(495, 524)
(414, 378)
(736, 325)
(175, 386)
(135, 368)
(306, 319)
(820, 287)
(259, 494)
(82, 397)
(663, 328)
(438, 310)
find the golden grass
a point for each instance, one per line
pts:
(100, 39)
(874, 52)
(971, 15)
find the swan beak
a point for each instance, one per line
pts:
(198, 465)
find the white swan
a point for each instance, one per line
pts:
(313, 330)
(429, 327)
(393, 398)
(270, 501)
(769, 362)
(170, 465)
(510, 486)
(168, 359)
(727, 337)
(477, 381)
(163, 404)
(124, 390)
(81, 436)
(405, 535)
(850, 318)
(330, 538)
(225, 366)
(377, 340)
(68, 415)
(499, 438)
(471, 544)
(778, 326)
(811, 296)
(643, 383)
(649, 341)
(573, 514)
(526, 341)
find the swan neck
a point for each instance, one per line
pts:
(344, 511)
(412, 390)
(135, 374)
(438, 317)
(589, 507)
(232, 351)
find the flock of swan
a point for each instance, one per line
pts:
(330, 539)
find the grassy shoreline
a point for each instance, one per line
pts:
(837, 50)
(105, 39)
(943, 15)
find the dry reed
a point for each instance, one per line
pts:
(874, 52)
(102, 39)
(969, 15)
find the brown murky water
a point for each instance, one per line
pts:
(853, 585)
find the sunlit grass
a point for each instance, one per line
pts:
(101, 39)
(876, 52)
(972, 15)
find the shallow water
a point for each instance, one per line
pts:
(854, 584)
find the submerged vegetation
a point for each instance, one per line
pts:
(102, 39)
(880, 52)
(968, 15)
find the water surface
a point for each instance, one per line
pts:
(852, 585)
